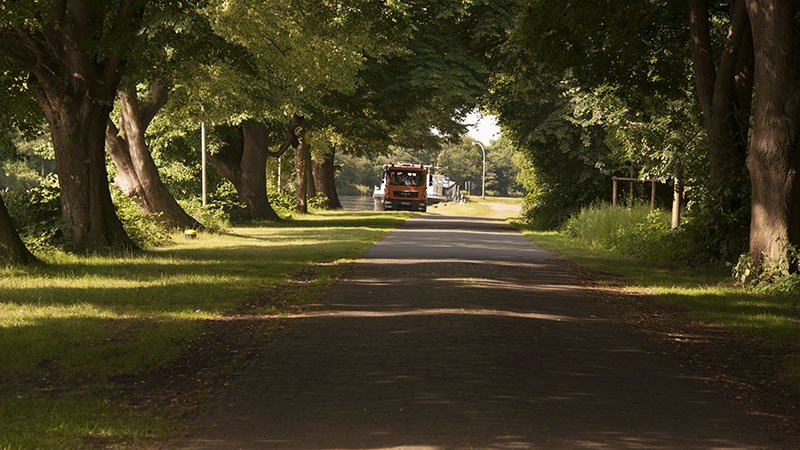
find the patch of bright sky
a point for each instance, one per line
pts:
(482, 128)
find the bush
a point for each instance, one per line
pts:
(772, 277)
(285, 199)
(146, 230)
(37, 215)
(318, 201)
(214, 217)
(715, 228)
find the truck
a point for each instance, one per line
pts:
(403, 186)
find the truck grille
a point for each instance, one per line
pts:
(405, 194)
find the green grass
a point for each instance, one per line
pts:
(75, 324)
(708, 295)
(490, 207)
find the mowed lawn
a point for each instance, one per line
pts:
(73, 332)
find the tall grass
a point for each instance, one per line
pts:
(633, 231)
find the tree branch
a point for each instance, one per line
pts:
(701, 53)
(125, 13)
(155, 99)
(740, 24)
(291, 138)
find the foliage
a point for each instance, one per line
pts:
(633, 231)
(214, 218)
(565, 161)
(715, 225)
(318, 201)
(642, 47)
(37, 215)
(462, 162)
(146, 230)
(502, 169)
(773, 277)
(285, 199)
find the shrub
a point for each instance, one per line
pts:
(146, 230)
(715, 228)
(37, 215)
(318, 201)
(285, 199)
(773, 277)
(214, 217)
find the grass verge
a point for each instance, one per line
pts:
(75, 334)
(708, 296)
(490, 207)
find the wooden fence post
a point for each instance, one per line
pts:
(614, 194)
(652, 195)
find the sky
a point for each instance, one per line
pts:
(485, 128)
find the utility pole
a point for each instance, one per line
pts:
(483, 178)
(203, 157)
(279, 174)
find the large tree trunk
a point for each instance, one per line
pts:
(724, 92)
(12, 249)
(137, 174)
(77, 127)
(775, 144)
(324, 178)
(302, 155)
(75, 91)
(243, 161)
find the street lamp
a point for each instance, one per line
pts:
(483, 179)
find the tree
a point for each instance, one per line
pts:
(775, 144)
(724, 92)
(325, 178)
(566, 161)
(176, 42)
(501, 169)
(428, 79)
(18, 112)
(137, 173)
(75, 52)
(300, 51)
(242, 160)
(461, 162)
(12, 249)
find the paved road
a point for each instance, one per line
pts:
(459, 333)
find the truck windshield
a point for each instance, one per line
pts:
(405, 178)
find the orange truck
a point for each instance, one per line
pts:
(405, 186)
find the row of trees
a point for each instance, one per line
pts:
(316, 77)
(705, 95)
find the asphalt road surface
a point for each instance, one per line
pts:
(459, 333)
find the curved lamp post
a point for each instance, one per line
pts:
(483, 179)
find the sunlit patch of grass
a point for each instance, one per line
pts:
(72, 421)
(708, 294)
(98, 317)
(489, 207)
